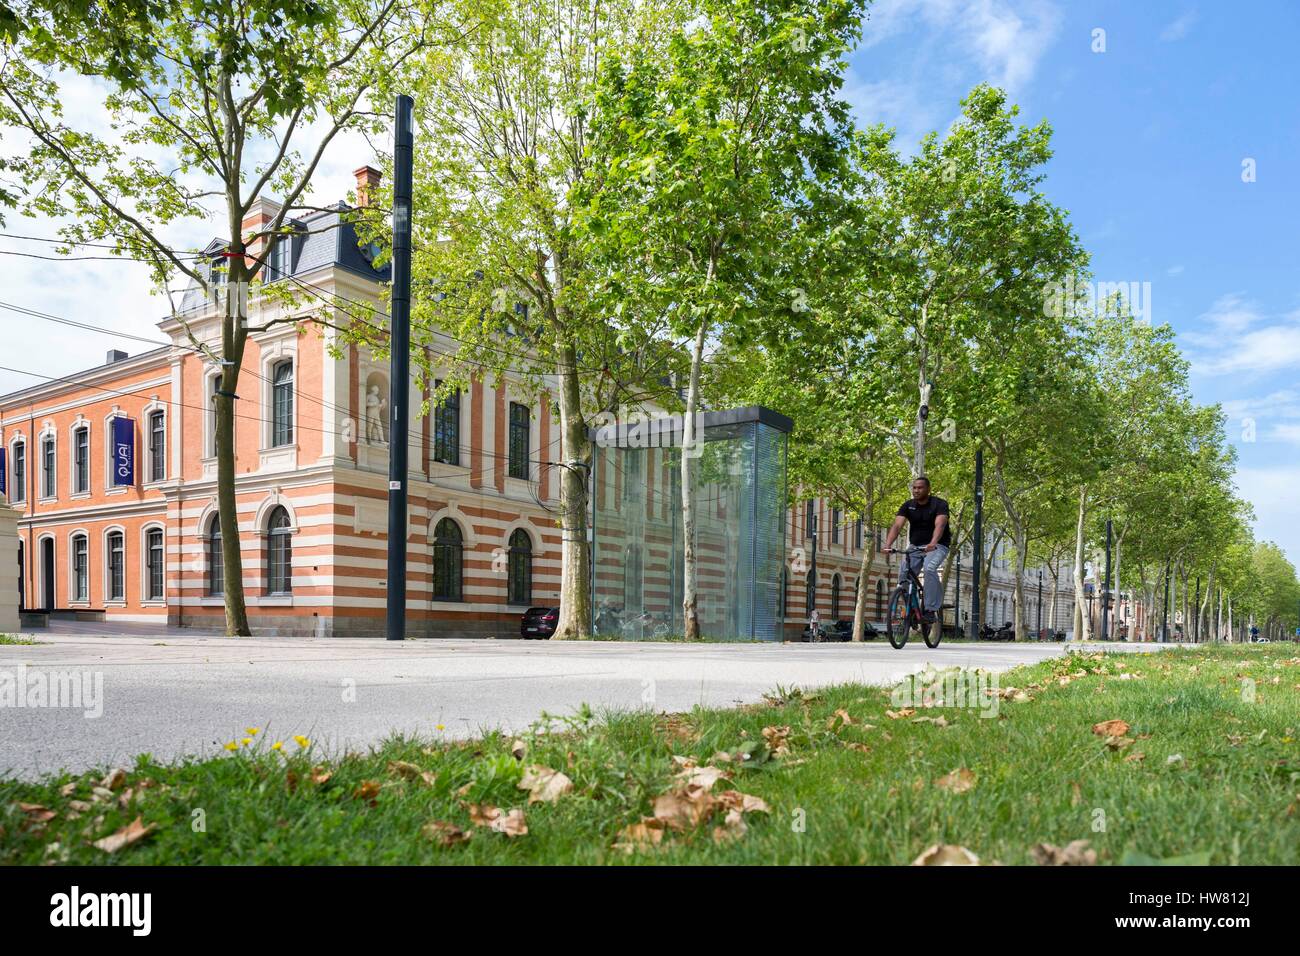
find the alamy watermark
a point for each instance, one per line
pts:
(965, 689)
(1074, 297)
(76, 690)
(631, 428)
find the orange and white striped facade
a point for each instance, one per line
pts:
(312, 478)
(319, 457)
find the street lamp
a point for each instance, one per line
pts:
(1040, 604)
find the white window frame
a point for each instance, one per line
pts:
(73, 490)
(109, 600)
(73, 600)
(145, 599)
(48, 433)
(146, 453)
(18, 439)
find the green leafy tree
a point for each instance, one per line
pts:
(211, 106)
(712, 156)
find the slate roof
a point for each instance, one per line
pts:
(323, 239)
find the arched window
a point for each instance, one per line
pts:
(835, 598)
(519, 569)
(116, 566)
(216, 566)
(154, 564)
(880, 598)
(279, 553)
(80, 460)
(80, 568)
(282, 404)
(18, 473)
(447, 545)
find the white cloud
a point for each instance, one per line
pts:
(1179, 28)
(1174, 270)
(1269, 349)
(1232, 313)
(1006, 40)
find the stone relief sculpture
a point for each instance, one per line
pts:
(376, 415)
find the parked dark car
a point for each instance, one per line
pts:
(539, 622)
(842, 630)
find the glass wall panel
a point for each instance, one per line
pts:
(738, 500)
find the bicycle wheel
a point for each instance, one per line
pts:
(898, 622)
(932, 631)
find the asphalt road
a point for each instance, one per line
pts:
(172, 695)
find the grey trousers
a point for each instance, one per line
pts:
(933, 561)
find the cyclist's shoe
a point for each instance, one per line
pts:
(928, 616)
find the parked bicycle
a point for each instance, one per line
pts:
(907, 607)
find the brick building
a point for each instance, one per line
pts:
(311, 436)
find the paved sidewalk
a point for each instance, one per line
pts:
(172, 695)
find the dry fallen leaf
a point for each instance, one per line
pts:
(646, 834)
(444, 834)
(1119, 743)
(900, 714)
(1076, 794)
(510, 823)
(841, 718)
(704, 777)
(407, 771)
(937, 721)
(1136, 756)
(776, 739)
(131, 833)
(744, 802)
(946, 854)
(686, 808)
(959, 781)
(320, 775)
(68, 789)
(37, 813)
(368, 790)
(733, 828)
(1111, 728)
(518, 749)
(115, 780)
(1075, 853)
(544, 785)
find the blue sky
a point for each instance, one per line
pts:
(1150, 140)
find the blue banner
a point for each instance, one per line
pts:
(4, 472)
(123, 451)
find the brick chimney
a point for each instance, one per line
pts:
(367, 180)
(260, 215)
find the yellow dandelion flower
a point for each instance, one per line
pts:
(301, 741)
(441, 727)
(251, 731)
(232, 746)
(277, 745)
(246, 741)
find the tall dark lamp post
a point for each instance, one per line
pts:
(1040, 604)
(400, 368)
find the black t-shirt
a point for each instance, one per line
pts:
(921, 518)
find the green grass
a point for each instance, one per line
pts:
(1229, 795)
(17, 639)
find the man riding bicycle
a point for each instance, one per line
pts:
(927, 529)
